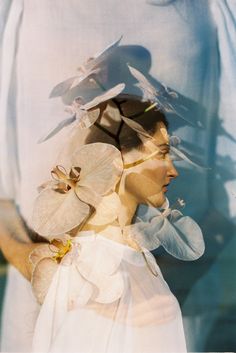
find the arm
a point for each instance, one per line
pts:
(15, 243)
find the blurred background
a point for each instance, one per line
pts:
(189, 45)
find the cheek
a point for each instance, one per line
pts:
(156, 171)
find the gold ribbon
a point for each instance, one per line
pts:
(139, 161)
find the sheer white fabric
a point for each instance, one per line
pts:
(129, 310)
(224, 14)
(20, 312)
(10, 15)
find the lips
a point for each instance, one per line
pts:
(164, 188)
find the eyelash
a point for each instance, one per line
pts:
(160, 155)
(163, 155)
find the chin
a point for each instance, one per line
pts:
(157, 200)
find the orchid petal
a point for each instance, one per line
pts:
(107, 210)
(47, 185)
(136, 127)
(111, 93)
(100, 269)
(88, 69)
(102, 170)
(55, 213)
(180, 236)
(110, 288)
(182, 156)
(83, 76)
(94, 256)
(175, 140)
(80, 290)
(159, 96)
(165, 105)
(184, 240)
(40, 252)
(58, 128)
(87, 195)
(88, 118)
(99, 57)
(62, 87)
(149, 91)
(42, 277)
(110, 117)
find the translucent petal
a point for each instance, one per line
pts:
(179, 235)
(136, 127)
(98, 263)
(185, 240)
(55, 213)
(88, 118)
(146, 234)
(175, 140)
(111, 93)
(83, 76)
(110, 288)
(40, 252)
(163, 96)
(110, 117)
(101, 166)
(149, 91)
(42, 277)
(150, 262)
(58, 128)
(80, 290)
(182, 156)
(88, 195)
(99, 57)
(62, 87)
(107, 210)
(100, 256)
(48, 184)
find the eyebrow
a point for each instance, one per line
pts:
(164, 145)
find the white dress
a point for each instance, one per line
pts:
(107, 299)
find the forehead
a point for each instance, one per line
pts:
(161, 134)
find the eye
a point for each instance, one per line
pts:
(163, 154)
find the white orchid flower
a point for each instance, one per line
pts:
(70, 200)
(90, 67)
(179, 235)
(85, 114)
(88, 268)
(163, 98)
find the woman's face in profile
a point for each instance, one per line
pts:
(149, 180)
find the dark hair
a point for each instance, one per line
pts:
(121, 135)
(135, 109)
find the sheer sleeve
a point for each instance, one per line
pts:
(224, 14)
(10, 19)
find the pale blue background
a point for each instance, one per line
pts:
(190, 46)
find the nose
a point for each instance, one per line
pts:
(172, 171)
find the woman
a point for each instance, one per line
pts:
(99, 286)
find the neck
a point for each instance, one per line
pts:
(128, 208)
